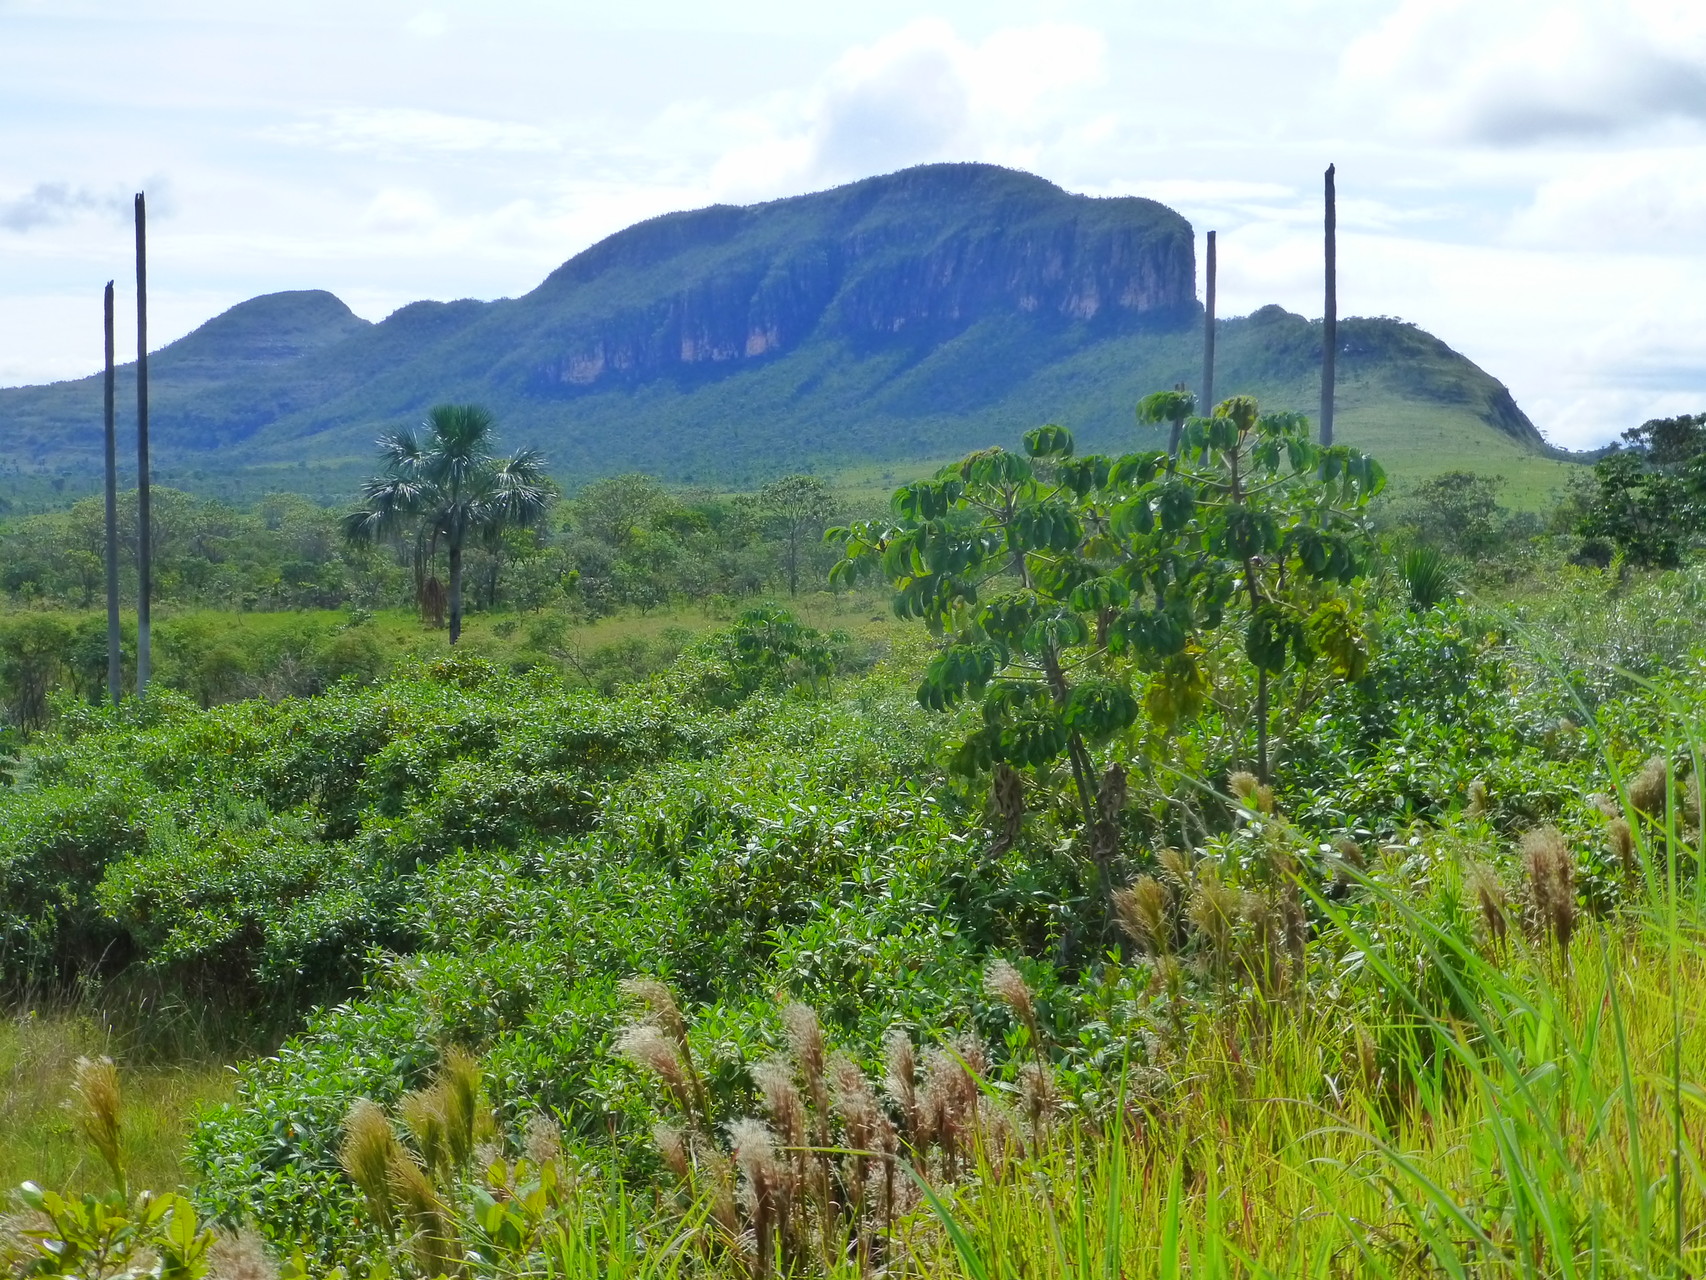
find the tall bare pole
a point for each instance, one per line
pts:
(1330, 315)
(1207, 405)
(115, 668)
(144, 534)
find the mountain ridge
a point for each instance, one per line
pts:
(908, 315)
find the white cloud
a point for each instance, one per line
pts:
(398, 210)
(428, 24)
(897, 103)
(1518, 71)
(51, 204)
(1218, 191)
(1641, 202)
(920, 94)
(403, 129)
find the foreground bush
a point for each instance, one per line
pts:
(1383, 991)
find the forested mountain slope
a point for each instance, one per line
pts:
(899, 318)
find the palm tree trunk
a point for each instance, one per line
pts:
(144, 514)
(455, 591)
(1207, 406)
(1330, 313)
(115, 669)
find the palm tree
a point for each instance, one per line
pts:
(445, 483)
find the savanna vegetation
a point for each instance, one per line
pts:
(1216, 864)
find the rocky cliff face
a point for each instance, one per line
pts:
(912, 316)
(913, 256)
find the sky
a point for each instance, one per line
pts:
(1524, 178)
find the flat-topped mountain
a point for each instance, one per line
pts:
(899, 318)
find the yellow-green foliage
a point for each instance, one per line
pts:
(40, 1136)
(1538, 1142)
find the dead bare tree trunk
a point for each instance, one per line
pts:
(1207, 405)
(115, 667)
(1330, 315)
(144, 530)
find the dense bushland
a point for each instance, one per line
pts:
(751, 963)
(621, 542)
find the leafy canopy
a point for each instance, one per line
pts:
(1650, 496)
(1073, 593)
(445, 485)
(447, 476)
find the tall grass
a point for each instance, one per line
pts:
(38, 1134)
(1538, 1138)
(1525, 1109)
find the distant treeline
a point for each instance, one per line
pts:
(622, 542)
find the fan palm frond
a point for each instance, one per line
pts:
(443, 483)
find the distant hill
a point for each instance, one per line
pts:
(897, 319)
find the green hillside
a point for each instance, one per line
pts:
(898, 320)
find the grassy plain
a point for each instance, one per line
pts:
(163, 1092)
(1414, 440)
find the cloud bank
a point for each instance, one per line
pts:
(1514, 72)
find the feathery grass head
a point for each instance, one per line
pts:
(368, 1150)
(459, 1079)
(425, 1114)
(542, 1139)
(1650, 789)
(761, 1183)
(240, 1255)
(98, 1108)
(1482, 881)
(432, 1238)
(649, 1049)
(658, 1002)
(854, 1102)
(1551, 872)
(673, 1149)
(1176, 868)
(900, 1080)
(974, 1054)
(942, 1099)
(1243, 786)
(1478, 802)
(716, 1171)
(1621, 837)
(951, 1092)
(1142, 912)
(1214, 909)
(1004, 982)
(805, 1039)
(901, 1058)
(774, 1078)
(754, 1148)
